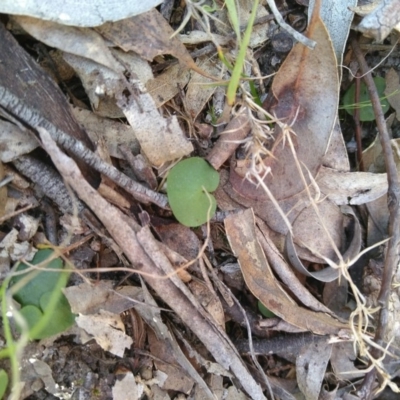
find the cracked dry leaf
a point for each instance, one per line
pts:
(381, 20)
(127, 388)
(168, 84)
(114, 133)
(161, 139)
(107, 330)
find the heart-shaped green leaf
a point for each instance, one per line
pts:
(188, 187)
(366, 110)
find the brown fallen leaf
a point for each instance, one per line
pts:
(306, 89)
(262, 283)
(148, 35)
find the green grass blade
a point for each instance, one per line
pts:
(233, 17)
(238, 68)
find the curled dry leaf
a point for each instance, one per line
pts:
(81, 42)
(161, 139)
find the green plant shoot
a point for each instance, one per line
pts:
(238, 68)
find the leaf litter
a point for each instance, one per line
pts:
(285, 182)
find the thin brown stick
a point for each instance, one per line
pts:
(392, 255)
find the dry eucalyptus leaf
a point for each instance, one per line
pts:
(314, 249)
(286, 273)
(311, 366)
(309, 109)
(342, 361)
(77, 12)
(108, 330)
(262, 283)
(165, 361)
(81, 42)
(209, 301)
(381, 20)
(129, 34)
(161, 139)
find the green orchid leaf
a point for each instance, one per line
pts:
(44, 306)
(188, 185)
(36, 282)
(365, 106)
(3, 382)
(265, 311)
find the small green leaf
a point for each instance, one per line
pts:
(32, 315)
(61, 319)
(264, 310)
(44, 306)
(37, 282)
(188, 184)
(366, 110)
(3, 382)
